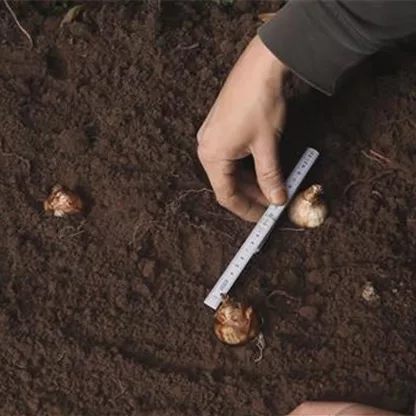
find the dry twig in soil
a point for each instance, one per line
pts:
(384, 161)
(181, 47)
(23, 30)
(275, 292)
(123, 389)
(260, 346)
(373, 155)
(76, 231)
(369, 180)
(140, 230)
(207, 230)
(173, 206)
(60, 357)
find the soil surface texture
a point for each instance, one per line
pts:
(102, 313)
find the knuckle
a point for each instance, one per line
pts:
(206, 152)
(202, 133)
(199, 135)
(225, 200)
(201, 152)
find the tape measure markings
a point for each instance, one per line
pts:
(258, 236)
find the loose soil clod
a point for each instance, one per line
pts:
(369, 293)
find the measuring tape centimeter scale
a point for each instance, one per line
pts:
(260, 232)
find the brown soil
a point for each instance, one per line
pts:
(103, 314)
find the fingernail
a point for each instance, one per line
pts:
(278, 196)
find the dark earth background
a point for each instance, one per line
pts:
(103, 314)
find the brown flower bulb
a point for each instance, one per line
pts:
(235, 323)
(308, 210)
(62, 202)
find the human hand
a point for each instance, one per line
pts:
(338, 409)
(246, 119)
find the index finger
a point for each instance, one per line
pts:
(221, 174)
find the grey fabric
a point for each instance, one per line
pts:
(321, 40)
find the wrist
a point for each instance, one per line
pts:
(278, 75)
(272, 69)
(269, 61)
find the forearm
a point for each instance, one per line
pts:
(321, 40)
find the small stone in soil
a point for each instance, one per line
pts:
(143, 289)
(315, 277)
(342, 331)
(308, 312)
(148, 268)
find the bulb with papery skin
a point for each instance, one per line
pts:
(63, 201)
(308, 209)
(235, 323)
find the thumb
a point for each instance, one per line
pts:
(267, 167)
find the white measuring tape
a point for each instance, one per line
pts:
(260, 232)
